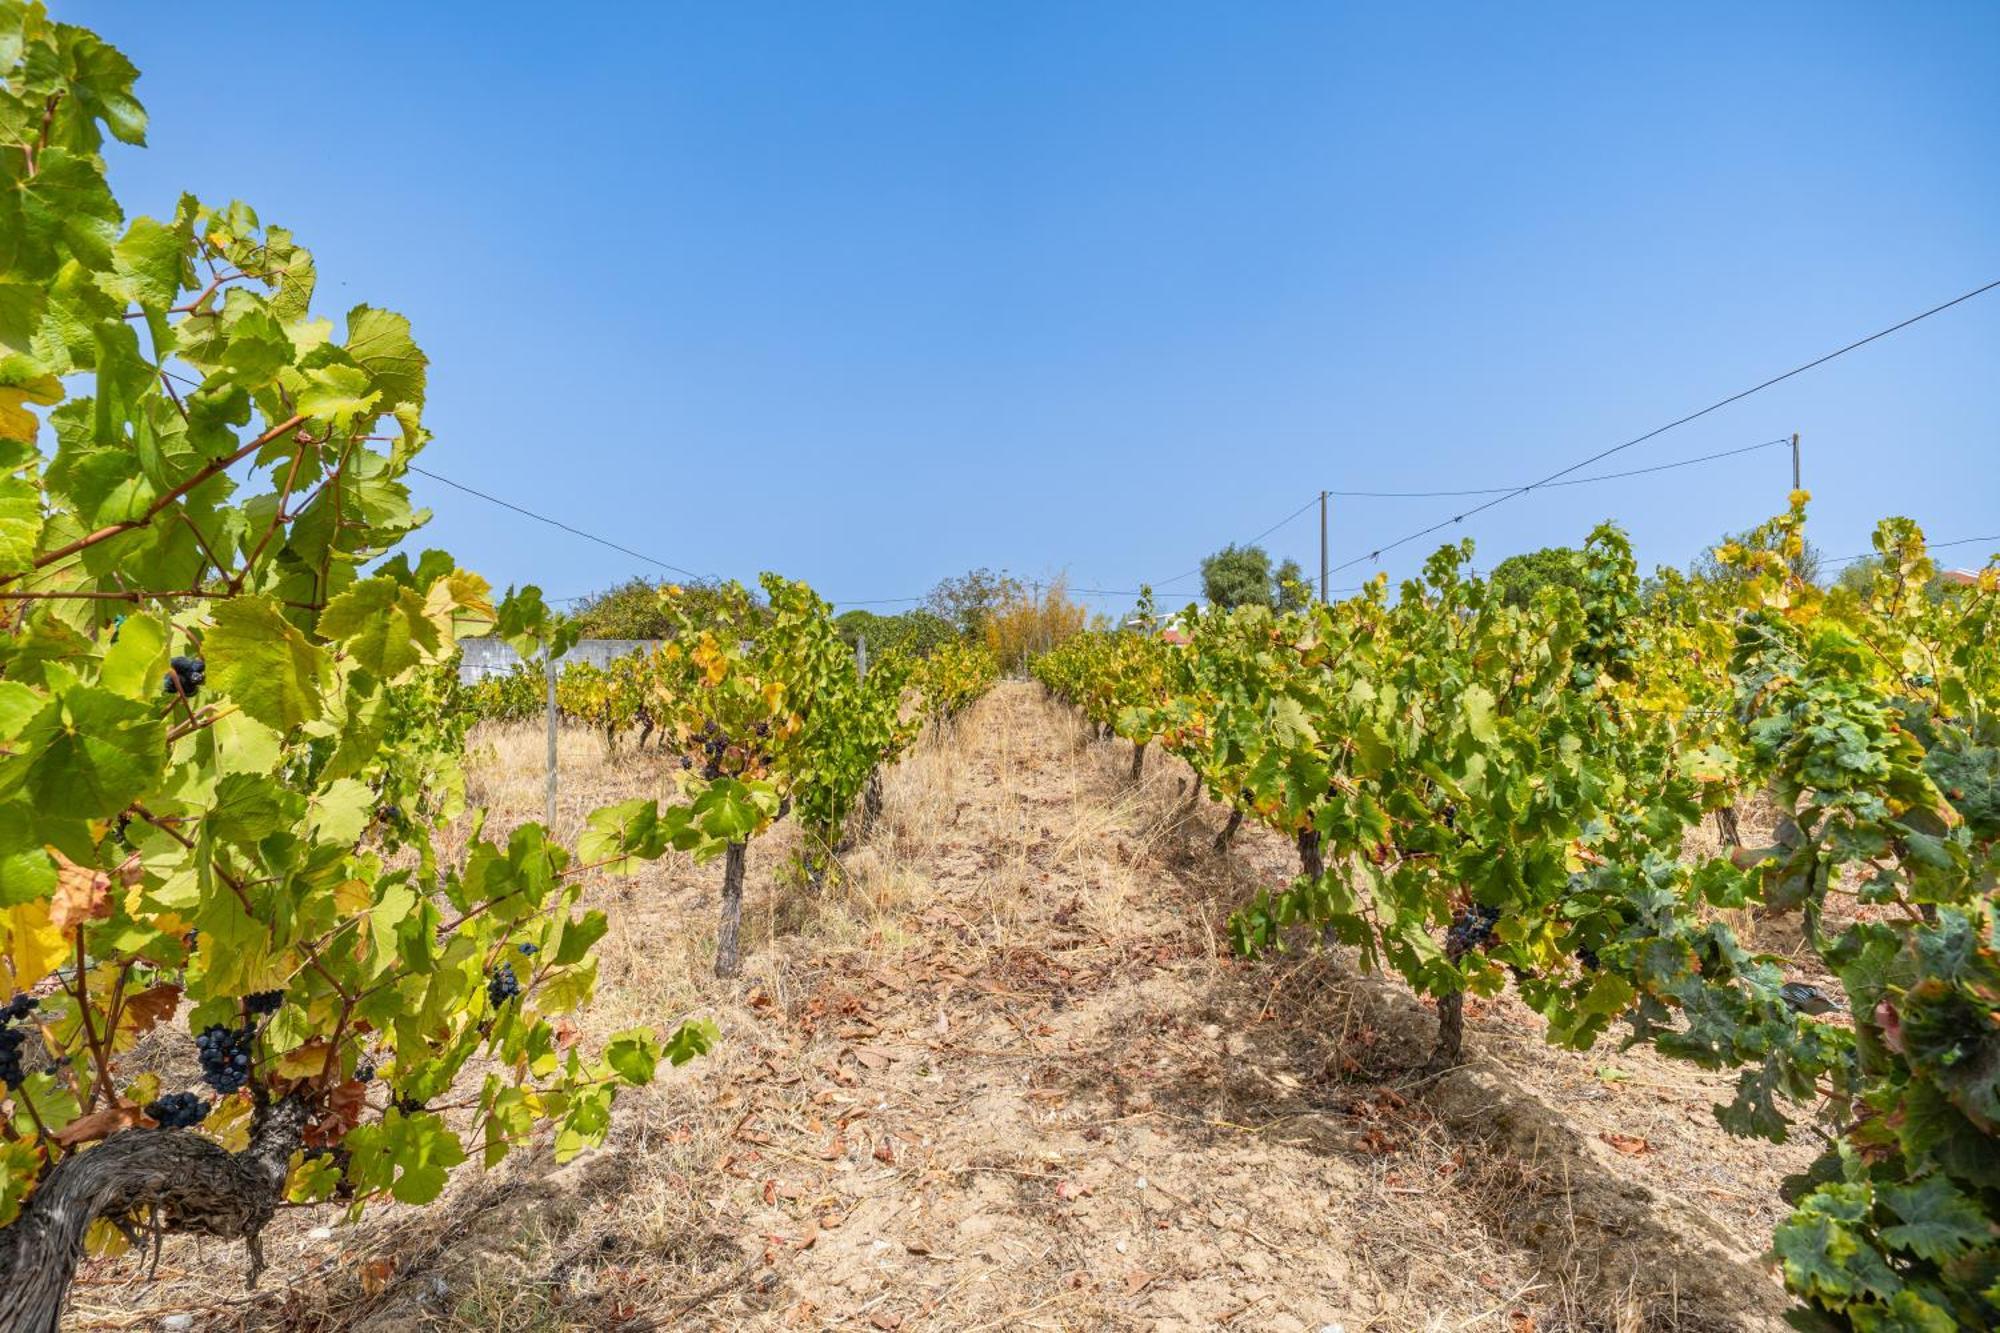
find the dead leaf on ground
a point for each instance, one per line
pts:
(1629, 1144)
(375, 1275)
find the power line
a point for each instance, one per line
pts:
(1928, 547)
(555, 523)
(1696, 415)
(1507, 490)
(525, 512)
(1252, 542)
(1573, 481)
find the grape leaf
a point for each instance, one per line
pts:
(262, 662)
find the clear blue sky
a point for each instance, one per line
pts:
(870, 294)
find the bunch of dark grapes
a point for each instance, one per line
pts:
(714, 745)
(502, 985)
(364, 1072)
(1587, 957)
(263, 1002)
(12, 1038)
(1472, 929)
(185, 677)
(529, 949)
(178, 1110)
(225, 1056)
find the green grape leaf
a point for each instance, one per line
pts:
(20, 521)
(262, 662)
(409, 1153)
(340, 812)
(135, 665)
(380, 343)
(337, 394)
(634, 1054)
(27, 871)
(150, 263)
(622, 837)
(87, 754)
(384, 626)
(1939, 1222)
(697, 1036)
(1477, 703)
(578, 935)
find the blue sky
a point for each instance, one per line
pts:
(871, 294)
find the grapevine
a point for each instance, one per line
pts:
(230, 735)
(1525, 777)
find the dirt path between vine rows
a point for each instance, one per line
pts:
(1009, 1077)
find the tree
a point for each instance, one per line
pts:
(1519, 577)
(1289, 589)
(916, 632)
(636, 609)
(1803, 558)
(1861, 576)
(224, 779)
(1024, 625)
(970, 599)
(1237, 576)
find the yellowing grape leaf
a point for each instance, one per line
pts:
(34, 945)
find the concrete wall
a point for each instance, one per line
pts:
(492, 657)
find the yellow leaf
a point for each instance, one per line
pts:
(229, 1122)
(34, 945)
(307, 1061)
(104, 1240)
(352, 897)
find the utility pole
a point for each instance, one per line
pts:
(1322, 546)
(1795, 461)
(861, 656)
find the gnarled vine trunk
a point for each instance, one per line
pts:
(1222, 839)
(871, 802)
(1451, 1017)
(1310, 864)
(190, 1183)
(728, 960)
(1138, 759)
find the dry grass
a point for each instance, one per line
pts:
(1004, 1075)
